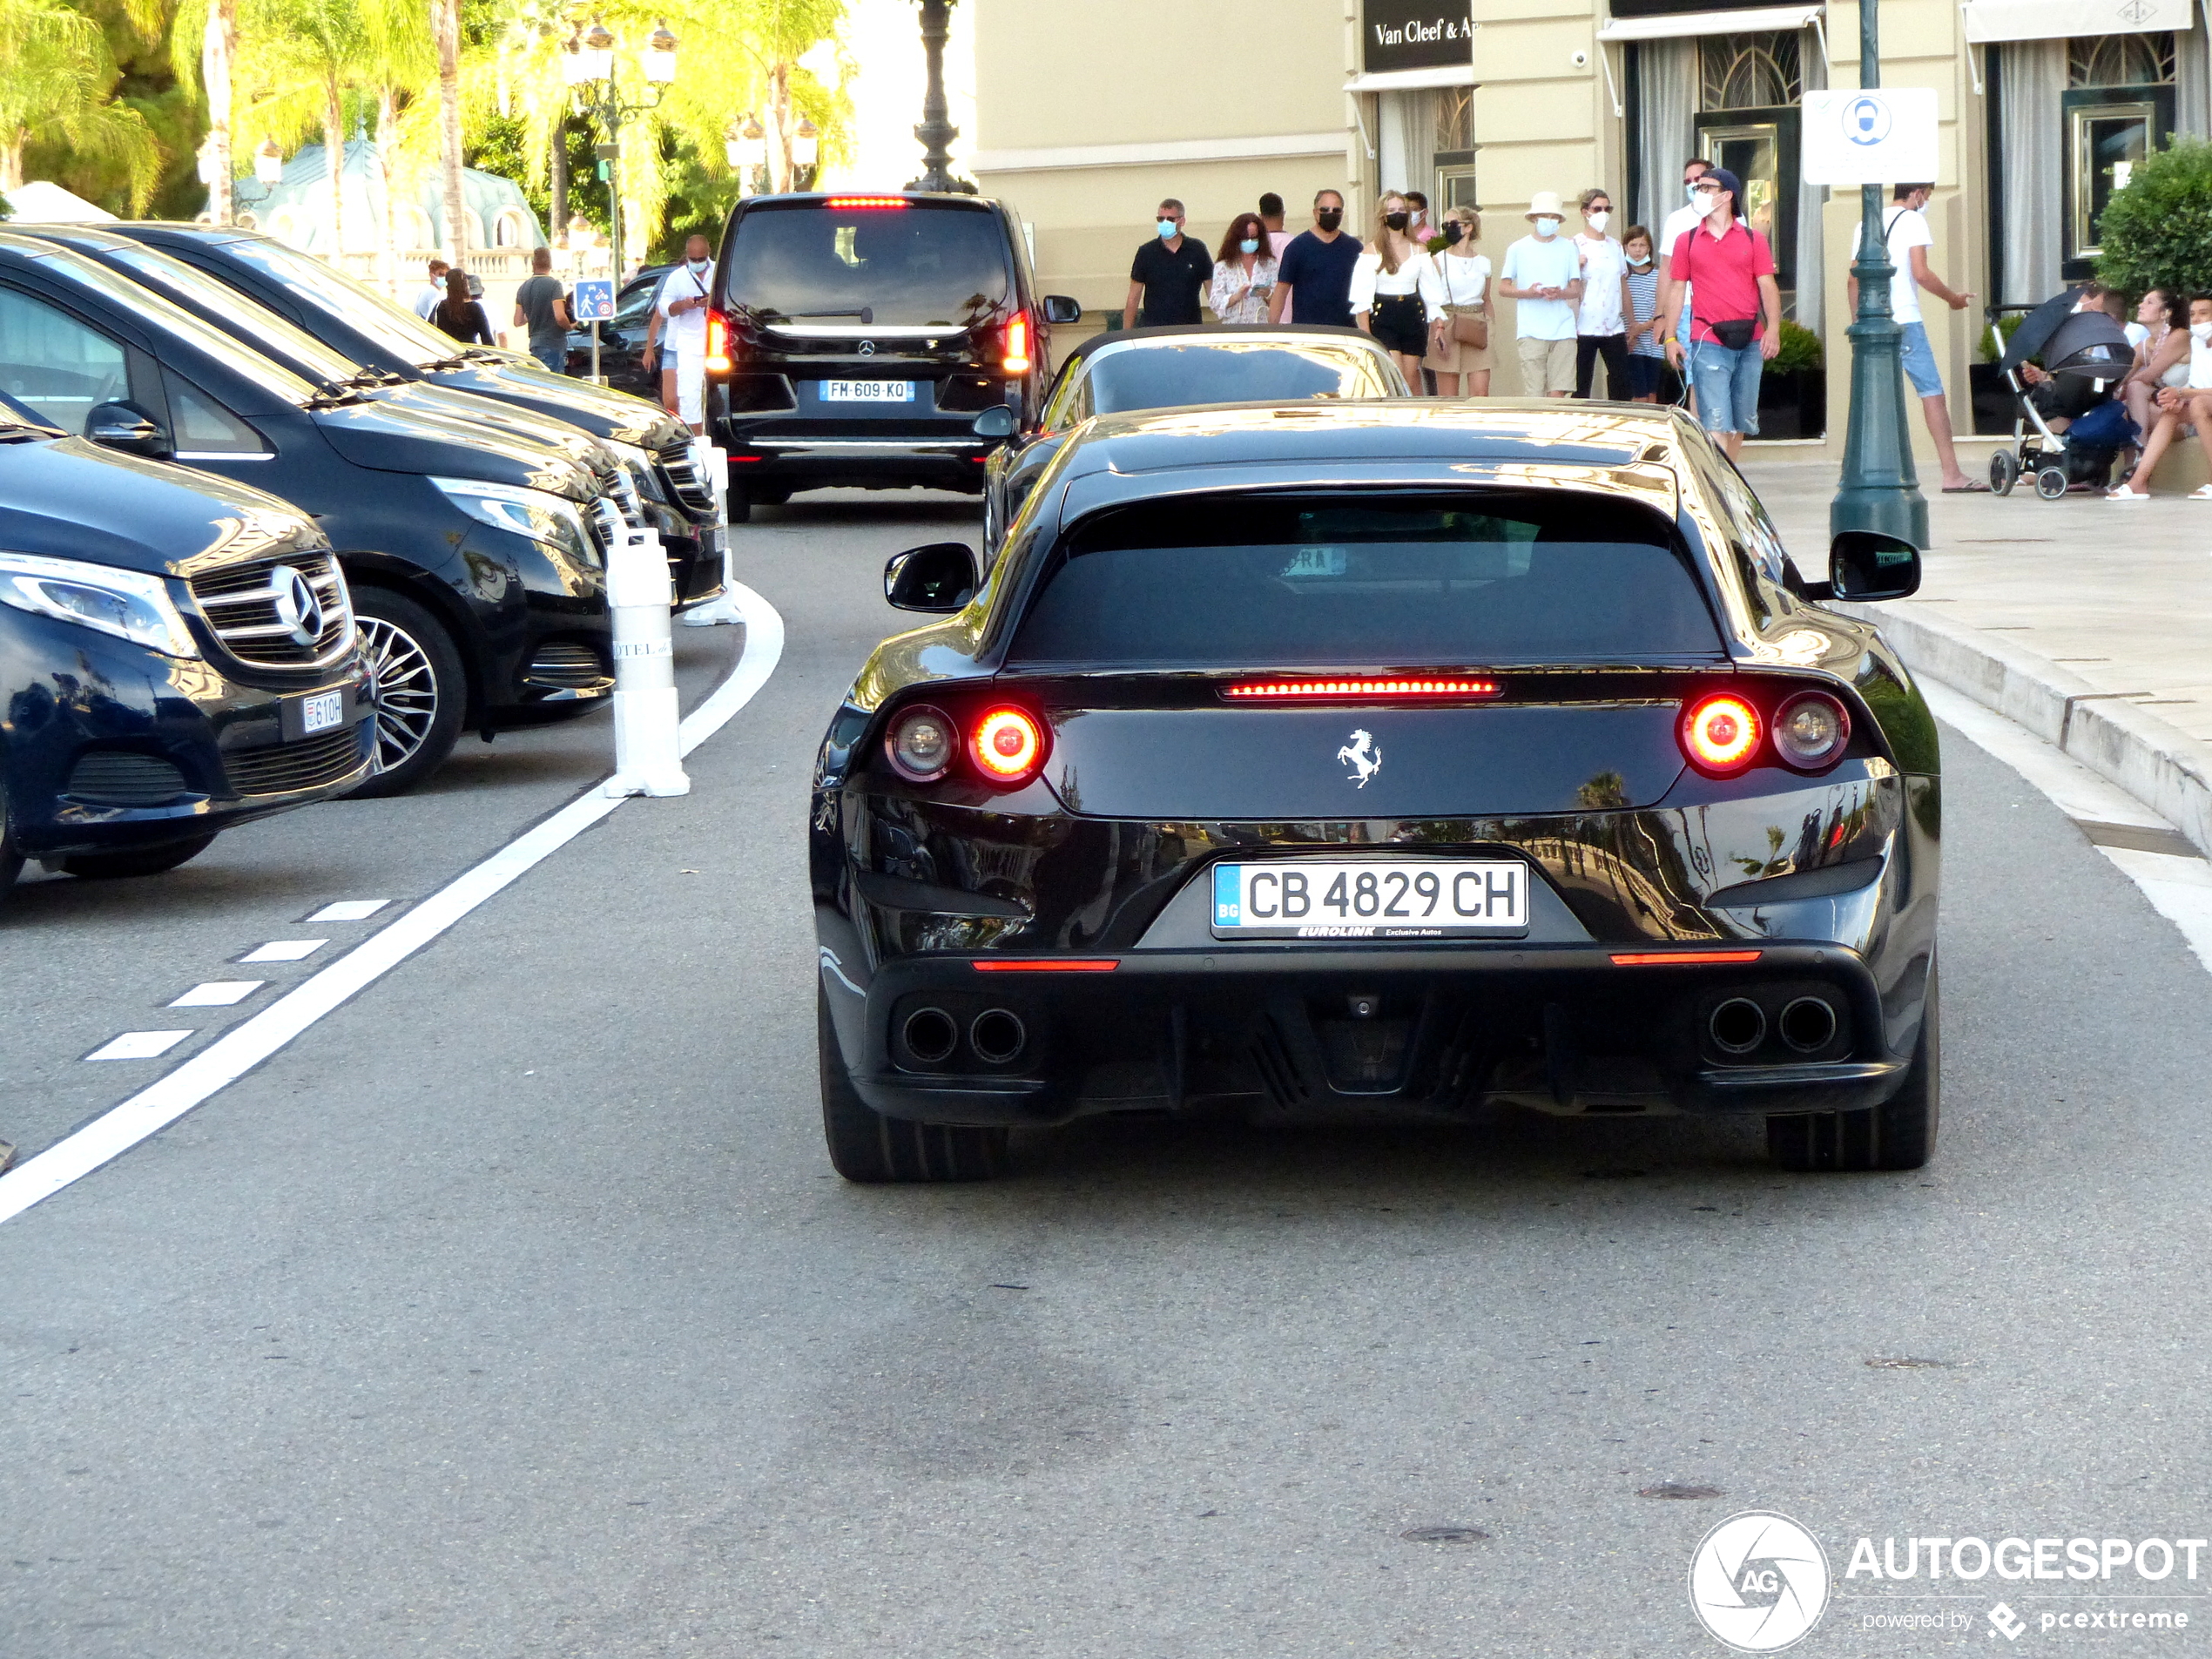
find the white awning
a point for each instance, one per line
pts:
(1745, 21)
(2064, 19)
(1409, 80)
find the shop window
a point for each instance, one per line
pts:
(1749, 87)
(1455, 149)
(2118, 107)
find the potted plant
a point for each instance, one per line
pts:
(1793, 392)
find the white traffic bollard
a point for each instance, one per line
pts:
(714, 467)
(647, 756)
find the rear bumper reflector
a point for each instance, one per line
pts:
(1048, 965)
(1682, 958)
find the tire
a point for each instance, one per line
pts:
(768, 495)
(866, 1146)
(2004, 471)
(737, 506)
(418, 691)
(151, 860)
(10, 856)
(1900, 1134)
(2050, 482)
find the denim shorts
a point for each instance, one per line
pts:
(554, 356)
(1920, 362)
(1728, 386)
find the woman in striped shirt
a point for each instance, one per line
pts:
(1647, 356)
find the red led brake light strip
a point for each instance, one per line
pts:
(1682, 958)
(1338, 690)
(1048, 965)
(866, 201)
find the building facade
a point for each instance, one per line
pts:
(1088, 114)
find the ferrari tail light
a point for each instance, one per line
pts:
(1721, 732)
(1008, 745)
(1812, 731)
(718, 343)
(922, 743)
(1015, 359)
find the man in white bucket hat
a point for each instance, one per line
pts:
(1544, 276)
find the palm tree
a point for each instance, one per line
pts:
(445, 32)
(60, 72)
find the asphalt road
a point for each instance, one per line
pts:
(512, 1309)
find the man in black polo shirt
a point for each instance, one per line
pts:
(1167, 276)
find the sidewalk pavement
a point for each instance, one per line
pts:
(2085, 622)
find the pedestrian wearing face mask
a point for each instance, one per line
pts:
(1244, 273)
(676, 332)
(1314, 282)
(1600, 324)
(1645, 316)
(1684, 218)
(1418, 225)
(1462, 357)
(1544, 273)
(1167, 276)
(1737, 324)
(1395, 295)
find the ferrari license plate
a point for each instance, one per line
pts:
(867, 391)
(1378, 898)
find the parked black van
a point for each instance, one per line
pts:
(176, 655)
(855, 339)
(363, 325)
(622, 472)
(476, 557)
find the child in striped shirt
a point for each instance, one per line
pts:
(1647, 355)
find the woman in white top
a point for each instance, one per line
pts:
(1244, 273)
(1395, 293)
(1600, 324)
(1464, 275)
(2161, 358)
(2173, 407)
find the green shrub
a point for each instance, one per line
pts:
(2000, 335)
(2157, 232)
(1800, 350)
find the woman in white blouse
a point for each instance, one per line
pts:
(1463, 369)
(1244, 273)
(1395, 293)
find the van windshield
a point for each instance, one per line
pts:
(1461, 580)
(402, 334)
(917, 265)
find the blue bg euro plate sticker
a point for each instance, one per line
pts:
(1228, 892)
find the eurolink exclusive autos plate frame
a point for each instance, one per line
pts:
(1375, 897)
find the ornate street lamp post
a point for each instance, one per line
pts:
(588, 69)
(936, 131)
(1879, 490)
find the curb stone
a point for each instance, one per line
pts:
(2157, 763)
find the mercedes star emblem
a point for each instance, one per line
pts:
(867, 349)
(297, 607)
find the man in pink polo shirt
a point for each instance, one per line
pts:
(1736, 313)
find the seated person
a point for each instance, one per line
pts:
(2162, 355)
(2174, 407)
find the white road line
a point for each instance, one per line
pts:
(138, 1045)
(349, 910)
(285, 950)
(2179, 887)
(247, 1044)
(218, 993)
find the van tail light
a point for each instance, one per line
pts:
(718, 355)
(1721, 732)
(1016, 360)
(1008, 745)
(1812, 731)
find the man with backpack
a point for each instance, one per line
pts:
(1735, 314)
(1906, 234)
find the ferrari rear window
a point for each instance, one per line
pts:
(1274, 582)
(1162, 376)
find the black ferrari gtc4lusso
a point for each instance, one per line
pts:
(1381, 757)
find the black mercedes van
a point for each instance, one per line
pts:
(855, 339)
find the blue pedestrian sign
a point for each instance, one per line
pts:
(595, 299)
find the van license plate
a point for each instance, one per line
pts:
(321, 712)
(1384, 898)
(867, 391)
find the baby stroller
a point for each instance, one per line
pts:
(2076, 347)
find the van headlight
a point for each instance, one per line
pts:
(639, 465)
(131, 605)
(538, 514)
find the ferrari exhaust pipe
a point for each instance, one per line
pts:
(1737, 1026)
(1808, 1024)
(998, 1035)
(931, 1035)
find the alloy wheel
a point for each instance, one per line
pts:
(403, 691)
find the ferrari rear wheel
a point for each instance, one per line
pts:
(866, 1146)
(1900, 1134)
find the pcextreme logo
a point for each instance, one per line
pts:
(1759, 1582)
